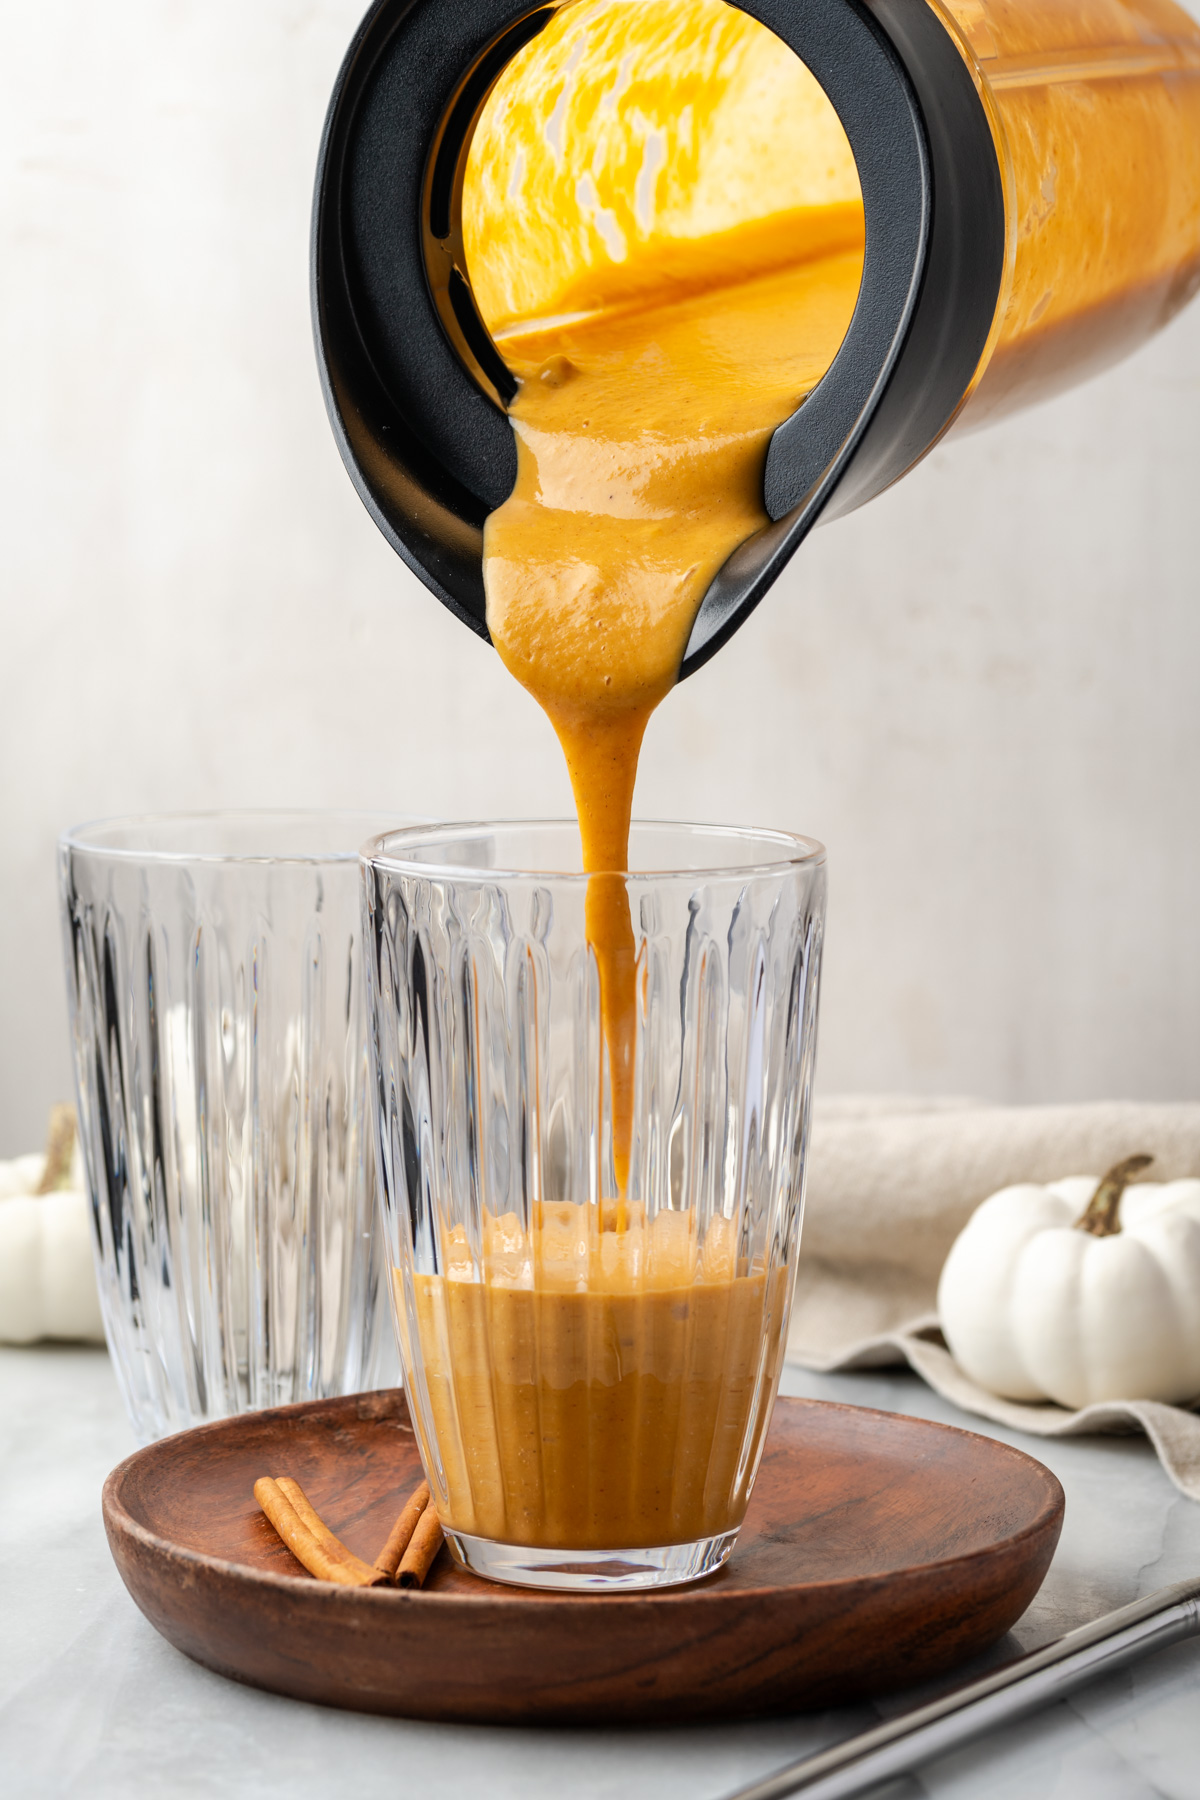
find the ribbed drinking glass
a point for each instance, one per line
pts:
(214, 978)
(591, 1366)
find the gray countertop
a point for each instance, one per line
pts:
(94, 1703)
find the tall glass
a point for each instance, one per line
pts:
(591, 1372)
(218, 1021)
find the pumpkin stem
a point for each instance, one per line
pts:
(60, 1148)
(1103, 1215)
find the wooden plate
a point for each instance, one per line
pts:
(878, 1551)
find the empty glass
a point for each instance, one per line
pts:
(591, 1362)
(218, 1021)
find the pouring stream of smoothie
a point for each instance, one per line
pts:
(670, 336)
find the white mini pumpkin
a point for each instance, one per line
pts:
(1079, 1291)
(47, 1276)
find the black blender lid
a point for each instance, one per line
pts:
(415, 394)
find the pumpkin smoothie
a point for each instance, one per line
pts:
(664, 232)
(594, 1390)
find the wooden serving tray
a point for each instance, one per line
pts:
(878, 1551)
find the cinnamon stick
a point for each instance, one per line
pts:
(426, 1541)
(388, 1560)
(366, 1575)
(308, 1537)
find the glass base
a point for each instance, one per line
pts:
(590, 1571)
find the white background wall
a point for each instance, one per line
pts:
(981, 691)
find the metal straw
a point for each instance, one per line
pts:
(1162, 1618)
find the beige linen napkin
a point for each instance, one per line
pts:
(891, 1183)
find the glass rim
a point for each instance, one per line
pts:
(87, 838)
(797, 852)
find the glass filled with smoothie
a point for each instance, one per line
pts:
(592, 1214)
